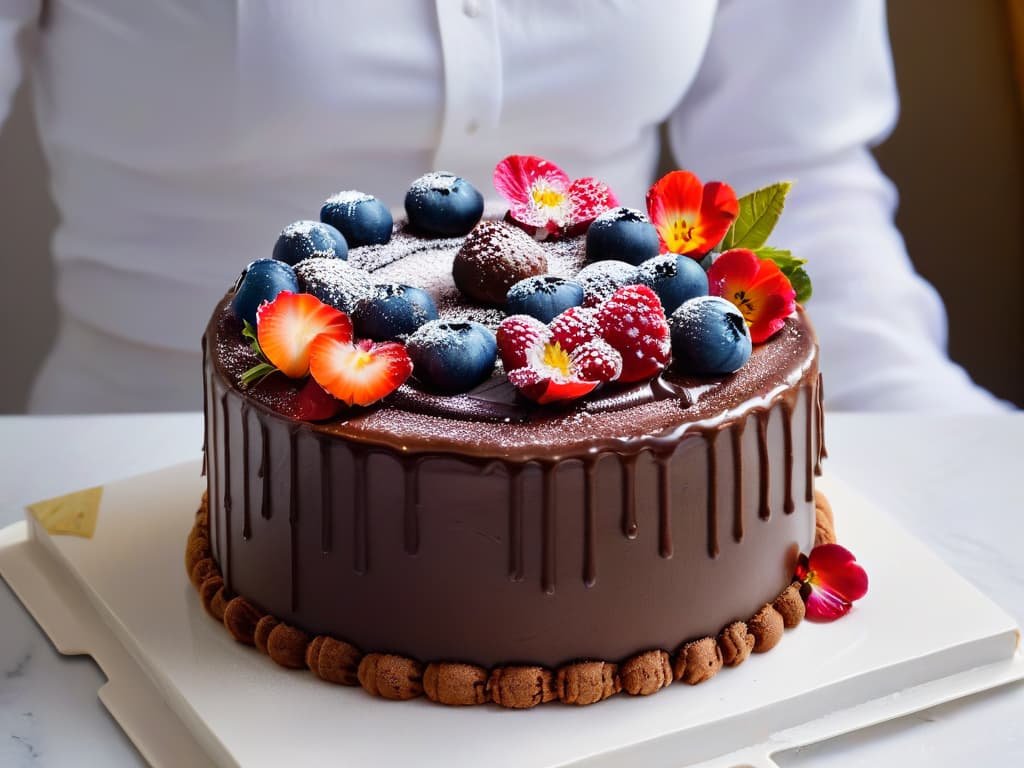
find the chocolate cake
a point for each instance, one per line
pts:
(482, 546)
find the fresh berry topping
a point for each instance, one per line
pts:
(596, 360)
(709, 337)
(633, 322)
(393, 312)
(288, 325)
(517, 335)
(691, 217)
(535, 385)
(545, 368)
(443, 204)
(590, 198)
(544, 202)
(543, 296)
(603, 278)
(309, 239)
(575, 326)
(314, 403)
(452, 357)
(625, 234)
(361, 218)
(358, 374)
(261, 281)
(493, 258)
(334, 282)
(674, 278)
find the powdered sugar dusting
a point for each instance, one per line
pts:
(435, 180)
(316, 239)
(348, 197)
(401, 246)
(302, 228)
(494, 257)
(334, 282)
(622, 214)
(602, 278)
(427, 263)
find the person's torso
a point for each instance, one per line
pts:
(184, 134)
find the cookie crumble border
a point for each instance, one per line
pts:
(396, 677)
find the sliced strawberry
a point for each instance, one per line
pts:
(634, 323)
(287, 326)
(358, 374)
(544, 389)
(517, 336)
(314, 403)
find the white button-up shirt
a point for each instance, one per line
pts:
(184, 134)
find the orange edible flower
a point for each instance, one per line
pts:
(758, 289)
(691, 217)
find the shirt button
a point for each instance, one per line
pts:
(472, 127)
(471, 8)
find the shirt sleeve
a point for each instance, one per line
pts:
(799, 91)
(15, 15)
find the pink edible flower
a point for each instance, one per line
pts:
(544, 201)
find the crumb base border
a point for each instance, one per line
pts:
(521, 686)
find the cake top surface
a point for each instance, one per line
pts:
(492, 420)
(560, 325)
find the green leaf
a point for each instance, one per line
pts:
(249, 332)
(785, 259)
(759, 212)
(801, 283)
(792, 268)
(261, 370)
(256, 374)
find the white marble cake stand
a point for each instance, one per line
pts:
(186, 693)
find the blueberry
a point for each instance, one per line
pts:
(603, 278)
(361, 218)
(709, 337)
(303, 239)
(261, 281)
(674, 278)
(543, 296)
(443, 204)
(393, 312)
(625, 234)
(334, 282)
(451, 357)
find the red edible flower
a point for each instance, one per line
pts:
(563, 360)
(757, 287)
(544, 201)
(832, 580)
(691, 218)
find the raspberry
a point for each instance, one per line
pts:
(634, 323)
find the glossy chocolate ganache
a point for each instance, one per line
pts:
(485, 529)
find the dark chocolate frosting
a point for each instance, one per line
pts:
(486, 529)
